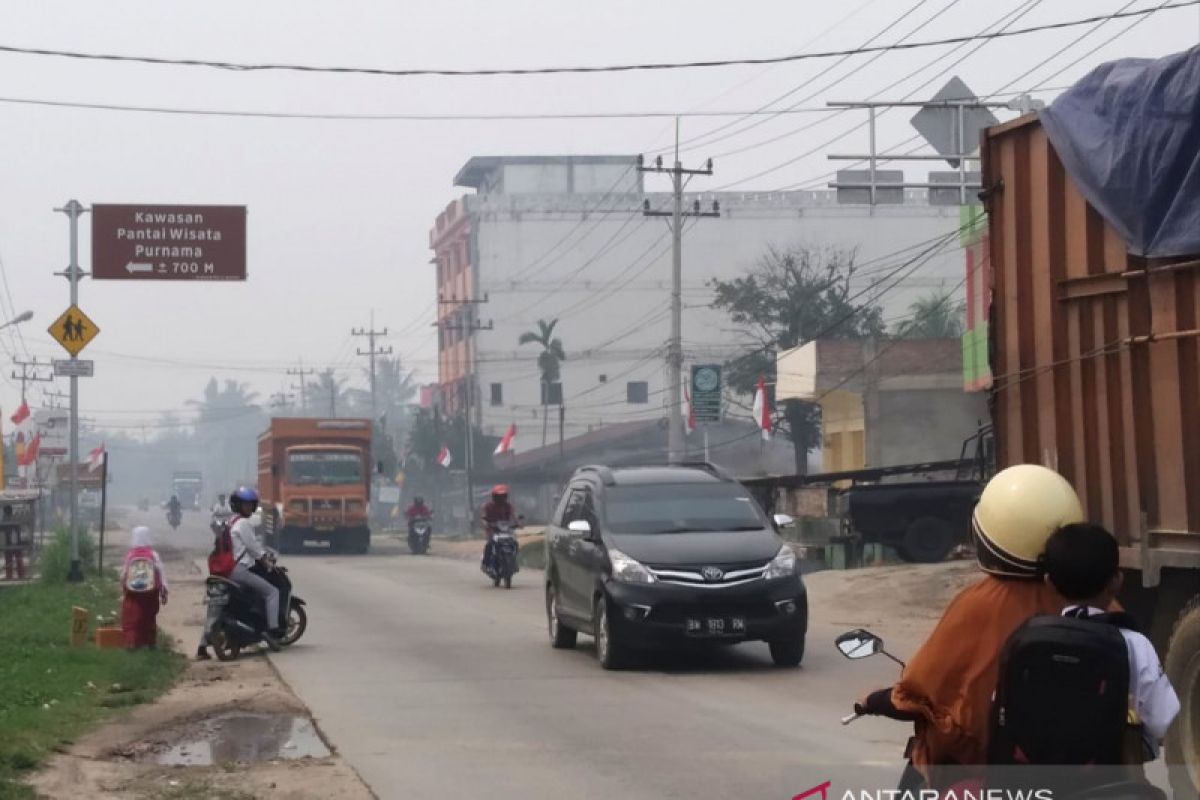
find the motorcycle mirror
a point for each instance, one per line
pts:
(859, 644)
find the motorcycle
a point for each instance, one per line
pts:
(174, 518)
(861, 643)
(503, 563)
(419, 533)
(236, 617)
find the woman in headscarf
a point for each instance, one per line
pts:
(144, 586)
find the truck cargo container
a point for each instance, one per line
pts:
(1094, 355)
(315, 476)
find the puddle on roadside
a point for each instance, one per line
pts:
(244, 738)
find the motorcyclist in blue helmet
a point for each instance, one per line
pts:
(249, 552)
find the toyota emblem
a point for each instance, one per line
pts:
(712, 574)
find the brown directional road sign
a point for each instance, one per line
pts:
(170, 243)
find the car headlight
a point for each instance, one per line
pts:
(783, 565)
(627, 570)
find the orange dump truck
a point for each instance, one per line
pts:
(315, 478)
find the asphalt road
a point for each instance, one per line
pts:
(433, 684)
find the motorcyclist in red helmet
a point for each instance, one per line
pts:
(497, 509)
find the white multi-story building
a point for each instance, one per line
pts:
(564, 238)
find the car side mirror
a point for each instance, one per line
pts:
(784, 521)
(859, 643)
(582, 526)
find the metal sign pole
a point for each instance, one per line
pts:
(74, 210)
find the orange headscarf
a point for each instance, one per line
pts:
(951, 679)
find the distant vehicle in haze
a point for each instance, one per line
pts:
(314, 476)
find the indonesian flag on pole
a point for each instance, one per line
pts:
(762, 410)
(444, 458)
(506, 440)
(96, 458)
(22, 413)
(689, 413)
(31, 451)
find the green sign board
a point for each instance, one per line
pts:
(706, 392)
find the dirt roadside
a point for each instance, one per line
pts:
(117, 760)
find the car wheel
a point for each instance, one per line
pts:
(296, 624)
(1181, 750)
(225, 648)
(928, 540)
(561, 637)
(610, 650)
(787, 652)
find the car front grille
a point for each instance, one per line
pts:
(710, 577)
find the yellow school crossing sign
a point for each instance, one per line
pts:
(73, 330)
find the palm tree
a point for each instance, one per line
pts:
(328, 388)
(548, 360)
(934, 316)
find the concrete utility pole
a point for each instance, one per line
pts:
(74, 210)
(675, 347)
(29, 373)
(301, 372)
(371, 352)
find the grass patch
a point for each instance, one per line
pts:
(55, 557)
(50, 692)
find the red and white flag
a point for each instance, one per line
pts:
(689, 413)
(31, 451)
(444, 458)
(22, 413)
(762, 409)
(96, 458)
(506, 440)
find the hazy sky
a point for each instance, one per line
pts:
(339, 211)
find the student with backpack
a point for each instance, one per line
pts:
(1079, 688)
(144, 590)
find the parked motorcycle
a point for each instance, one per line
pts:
(861, 643)
(504, 555)
(419, 533)
(236, 617)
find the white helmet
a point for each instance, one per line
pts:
(1019, 508)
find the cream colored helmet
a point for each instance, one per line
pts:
(1019, 508)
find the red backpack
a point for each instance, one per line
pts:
(220, 560)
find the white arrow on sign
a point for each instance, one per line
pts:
(132, 267)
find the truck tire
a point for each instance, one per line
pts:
(1181, 751)
(927, 540)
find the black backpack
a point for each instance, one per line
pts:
(1062, 695)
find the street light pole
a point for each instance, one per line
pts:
(74, 210)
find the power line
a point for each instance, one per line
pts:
(578, 69)
(1008, 20)
(689, 144)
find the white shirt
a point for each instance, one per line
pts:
(246, 547)
(1149, 689)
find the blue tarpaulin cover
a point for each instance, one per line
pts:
(1128, 134)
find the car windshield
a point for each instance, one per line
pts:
(680, 508)
(325, 468)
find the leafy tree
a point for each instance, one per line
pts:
(790, 297)
(934, 316)
(549, 360)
